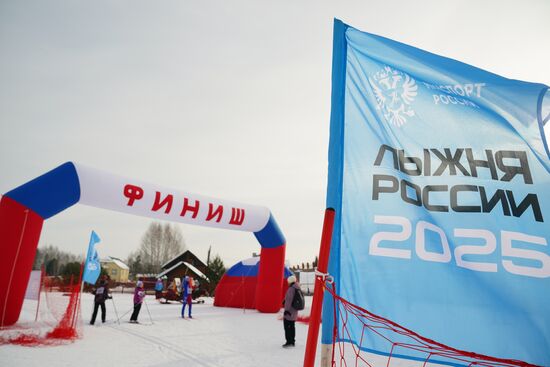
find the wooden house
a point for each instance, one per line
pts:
(188, 264)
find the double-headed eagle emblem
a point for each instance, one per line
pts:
(394, 92)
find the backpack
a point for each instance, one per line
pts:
(298, 302)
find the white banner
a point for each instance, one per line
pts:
(33, 287)
(105, 190)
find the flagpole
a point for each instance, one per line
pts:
(79, 300)
(82, 270)
(318, 293)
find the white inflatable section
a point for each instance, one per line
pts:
(251, 261)
(105, 190)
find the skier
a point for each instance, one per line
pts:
(290, 314)
(139, 295)
(159, 286)
(187, 288)
(101, 294)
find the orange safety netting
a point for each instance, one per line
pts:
(401, 342)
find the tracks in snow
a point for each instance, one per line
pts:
(162, 344)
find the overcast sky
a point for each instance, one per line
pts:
(229, 99)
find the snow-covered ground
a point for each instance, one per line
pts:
(214, 337)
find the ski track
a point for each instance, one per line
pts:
(174, 348)
(216, 336)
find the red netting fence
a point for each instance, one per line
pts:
(58, 320)
(403, 347)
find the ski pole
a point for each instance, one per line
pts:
(116, 313)
(126, 313)
(147, 307)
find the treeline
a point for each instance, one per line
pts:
(159, 244)
(57, 262)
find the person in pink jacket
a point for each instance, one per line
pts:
(139, 295)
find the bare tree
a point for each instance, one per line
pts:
(159, 244)
(173, 242)
(150, 247)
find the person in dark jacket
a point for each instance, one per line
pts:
(139, 295)
(101, 294)
(290, 314)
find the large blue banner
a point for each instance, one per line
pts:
(440, 176)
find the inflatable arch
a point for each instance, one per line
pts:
(238, 286)
(24, 209)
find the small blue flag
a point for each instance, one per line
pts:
(92, 267)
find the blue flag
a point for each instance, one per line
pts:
(92, 266)
(439, 173)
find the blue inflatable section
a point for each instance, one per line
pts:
(249, 270)
(270, 236)
(50, 193)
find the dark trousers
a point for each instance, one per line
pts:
(96, 306)
(290, 331)
(135, 314)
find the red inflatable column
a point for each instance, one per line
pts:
(270, 279)
(19, 234)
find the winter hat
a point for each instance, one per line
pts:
(139, 284)
(291, 279)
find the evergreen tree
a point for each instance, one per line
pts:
(70, 269)
(38, 260)
(51, 266)
(216, 269)
(135, 264)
